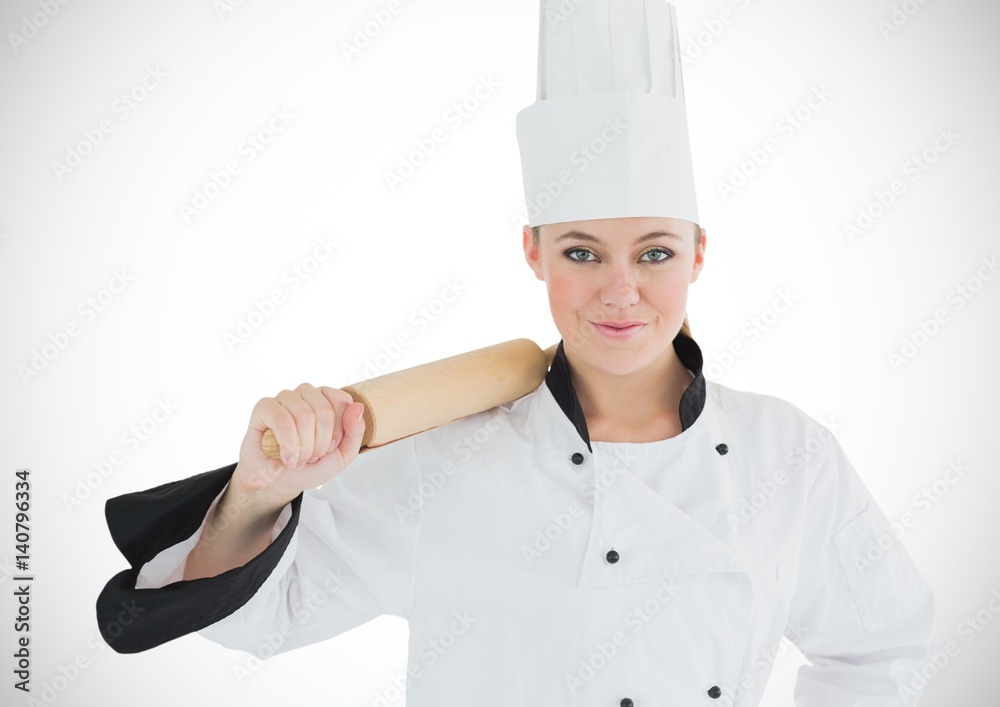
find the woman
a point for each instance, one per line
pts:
(629, 533)
(632, 304)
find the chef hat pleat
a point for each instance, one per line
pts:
(607, 136)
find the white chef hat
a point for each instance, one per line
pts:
(607, 136)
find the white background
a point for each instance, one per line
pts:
(163, 337)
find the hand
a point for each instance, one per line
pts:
(321, 427)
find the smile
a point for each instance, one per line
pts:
(619, 333)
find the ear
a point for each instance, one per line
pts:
(531, 252)
(699, 255)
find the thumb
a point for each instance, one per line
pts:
(354, 430)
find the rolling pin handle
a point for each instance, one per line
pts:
(270, 445)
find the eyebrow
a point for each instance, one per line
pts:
(580, 235)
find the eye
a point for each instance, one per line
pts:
(569, 253)
(666, 255)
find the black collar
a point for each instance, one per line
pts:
(692, 400)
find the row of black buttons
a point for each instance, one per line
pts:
(612, 557)
(714, 692)
(578, 458)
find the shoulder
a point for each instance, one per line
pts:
(477, 428)
(762, 412)
(497, 427)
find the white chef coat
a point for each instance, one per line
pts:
(536, 566)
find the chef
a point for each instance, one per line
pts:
(629, 533)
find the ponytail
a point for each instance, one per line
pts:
(686, 328)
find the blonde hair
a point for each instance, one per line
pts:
(685, 327)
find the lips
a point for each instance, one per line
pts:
(619, 324)
(619, 330)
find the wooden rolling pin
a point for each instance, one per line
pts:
(406, 402)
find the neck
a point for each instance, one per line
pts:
(644, 399)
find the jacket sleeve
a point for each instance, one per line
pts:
(340, 555)
(862, 613)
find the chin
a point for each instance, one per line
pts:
(601, 353)
(615, 362)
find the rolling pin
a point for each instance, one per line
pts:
(423, 397)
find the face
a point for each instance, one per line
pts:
(614, 270)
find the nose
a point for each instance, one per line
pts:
(622, 288)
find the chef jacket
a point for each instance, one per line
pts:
(537, 566)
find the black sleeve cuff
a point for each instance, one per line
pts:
(144, 523)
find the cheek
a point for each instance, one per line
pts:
(670, 293)
(568, 292)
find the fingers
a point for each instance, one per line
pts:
(297, 445)
(317, 414)
(270, 413)
(340, 402)
(309, 422)
(350, 446)
(316, 428)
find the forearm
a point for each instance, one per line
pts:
(238, 529)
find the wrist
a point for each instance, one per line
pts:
(257, 502)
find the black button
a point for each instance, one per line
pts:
(714, 692)
(577, 458)
(722, 448)
(626, 702)
(612, 556)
